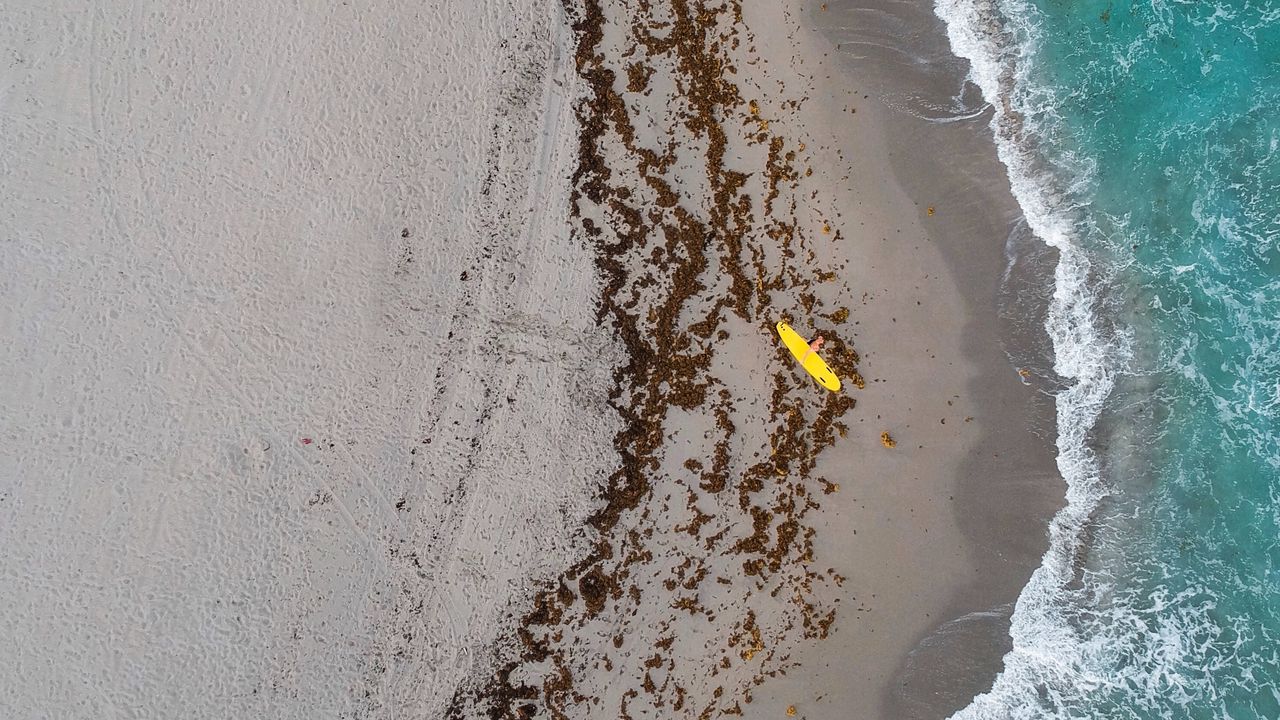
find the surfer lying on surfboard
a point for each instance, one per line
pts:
(807, 353)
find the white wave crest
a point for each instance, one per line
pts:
(999, 39)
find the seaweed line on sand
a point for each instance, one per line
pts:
(702, 574)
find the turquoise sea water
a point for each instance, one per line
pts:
(1143, 141)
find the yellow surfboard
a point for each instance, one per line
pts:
(814, 365)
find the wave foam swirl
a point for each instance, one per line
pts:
(999, 39)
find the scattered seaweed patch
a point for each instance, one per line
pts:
(694, 237)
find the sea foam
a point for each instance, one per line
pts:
(999, 43)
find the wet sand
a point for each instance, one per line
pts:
(947, 550)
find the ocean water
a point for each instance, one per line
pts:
(1142, 140)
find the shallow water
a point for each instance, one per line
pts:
(1142, 142)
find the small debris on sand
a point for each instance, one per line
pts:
(887, 440)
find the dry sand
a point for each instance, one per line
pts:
(302, 379)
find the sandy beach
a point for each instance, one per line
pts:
(303, 377)
(845, 576)
(409, 360)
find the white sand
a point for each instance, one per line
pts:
(202, 264)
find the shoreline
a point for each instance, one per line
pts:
(934, 637)
(1008, 484)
